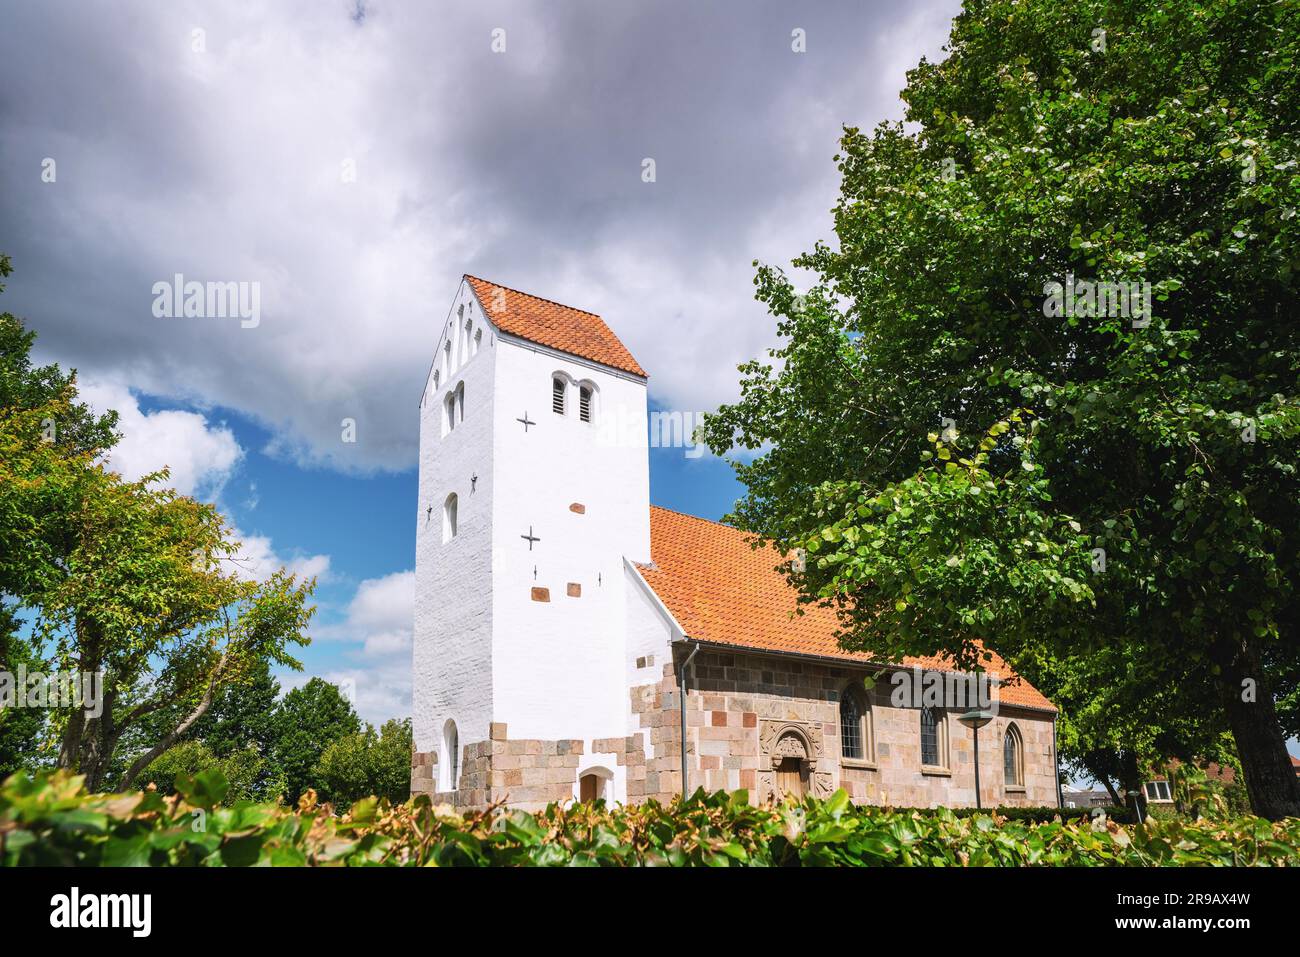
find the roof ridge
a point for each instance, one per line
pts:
(520, 292)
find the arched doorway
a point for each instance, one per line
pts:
(594, 784)
(791, 766)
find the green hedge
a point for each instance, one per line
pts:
(50, 820)
(1045, 815)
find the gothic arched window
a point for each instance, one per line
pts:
(934, 739)
(1013, 757)
(855, 726)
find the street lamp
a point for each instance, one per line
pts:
(976, 719)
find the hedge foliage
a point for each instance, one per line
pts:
(51, 820)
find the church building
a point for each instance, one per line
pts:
(567, 633)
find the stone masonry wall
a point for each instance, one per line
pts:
(742, 710)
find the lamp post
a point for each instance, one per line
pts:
(976, 719)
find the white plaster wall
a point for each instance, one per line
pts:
(452, 648)
(649, 630)
(558, 666)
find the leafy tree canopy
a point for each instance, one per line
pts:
(965, 452)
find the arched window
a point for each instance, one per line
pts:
(1013, 757)
(460, 402)
(478, 340)
(446, 355)
(585, 401)
(855, 726)
(934, 738)
(449, 518)
(449, 779)
(558, 389)
(464, 340)
(449, 413)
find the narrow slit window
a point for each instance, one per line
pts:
(557, 396)
(449, 518)
(851, 728)
(449, 412)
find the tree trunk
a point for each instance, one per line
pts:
(1248, 703)
(1130, 779)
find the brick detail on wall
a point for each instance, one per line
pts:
(574, 590)
(541, 594)
(578, 508)
(524, 773)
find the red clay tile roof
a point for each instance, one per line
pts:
(722, 591)
(548, 323)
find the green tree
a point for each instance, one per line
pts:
(128, 580)
(308, 720)
(241, 720)
(964, 457)
(368, 763)
(26, 387)
(21, 729)
(244, 771)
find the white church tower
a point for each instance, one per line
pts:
(533, 490)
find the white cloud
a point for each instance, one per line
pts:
(201, 456)
(377, 627)
(257, 560)
(524, 167)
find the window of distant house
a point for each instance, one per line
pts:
(855, 726)
(584, 402)
(558, 389)
(1013, 758)
(450, 777)
(934, 744)
(1158, 791)
(449, 518)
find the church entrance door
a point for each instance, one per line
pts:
(792, 778)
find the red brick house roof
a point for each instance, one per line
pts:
(547, 323)
(723, 591)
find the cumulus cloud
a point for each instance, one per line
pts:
(201, 456)
(355, 166)
(377, 626)
(257, 560)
